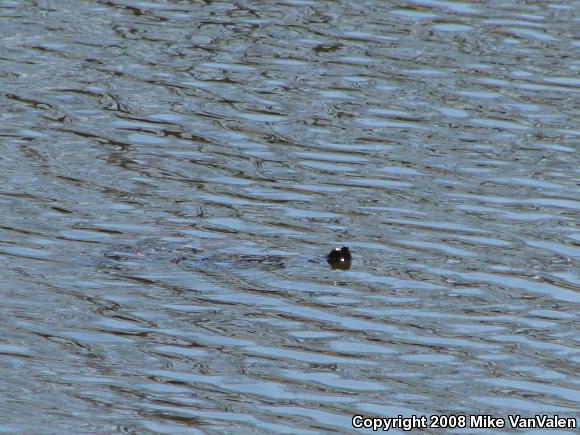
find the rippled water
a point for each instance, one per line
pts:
(438, 139)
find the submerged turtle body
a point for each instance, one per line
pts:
(220, 253)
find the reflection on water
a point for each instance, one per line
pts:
(439, 140)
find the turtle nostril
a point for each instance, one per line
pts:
(345, 253)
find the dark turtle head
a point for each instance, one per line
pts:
(339, 258)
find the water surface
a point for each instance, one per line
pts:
(438, 139)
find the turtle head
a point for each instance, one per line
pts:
(339, 258)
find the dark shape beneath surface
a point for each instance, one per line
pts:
(212, 253)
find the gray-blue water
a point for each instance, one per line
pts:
(437, 139)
